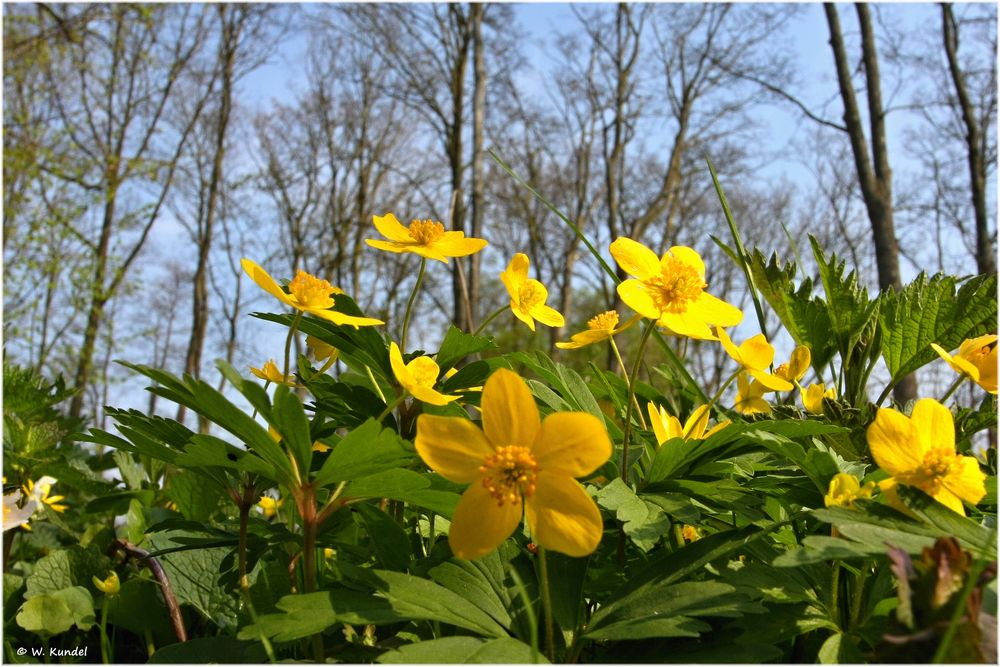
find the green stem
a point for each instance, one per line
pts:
(718, 394)
(496, 313)
(550, 648)
(529, 609)
(288, 342)
(392, 406)
(621, 363)
(858, 595)
(378, 390)
(105, 644)
(835, 594)
(309, 529)
(241, 554)
(954, 386)
(631, 398)
(409, 303)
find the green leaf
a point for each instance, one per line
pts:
(458, 345)
(930, 310)
(66, 568)
(466, 579)
(422, 490)
(366, 450)
(289, 418)
(839, 649)
(195, 500)
(644, 522)
(462, 650)
(309, 613)
(139, 607)
(390, 543)
(208, 451)
(45, 615)
(204, 650)
(848, 304)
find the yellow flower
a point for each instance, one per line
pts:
(797, 365)
(750, 396)
(976, 359)
(517, 462)
(321, 350)
(813, 395)
(418, 377)
(308, 294)
(600, 327)
(423, 237)
(270, 506)
(754, 355)
(271, 373)
(919, 451)
(666, 426)
(689, 533)
(845, 489)
(39, 491)
(670, 290)
(109, 586)
(527, 295)
(328, 553)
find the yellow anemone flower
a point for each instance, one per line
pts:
(845, 489)
(40, 490)
(306, 293)
(670, 290)
(813, 395)
(976, 359)
(690, 533)
(109, 586)
(270, 372)
(600, 327)
(426, 238)
(418, 377)
(517, 462)
(270, 506)
(754, 355)
(527, 295)
(796, 366)
(322, 350)
(919, 451)
(750, 396)
(666, 426)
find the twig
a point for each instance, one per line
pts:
(161, 576)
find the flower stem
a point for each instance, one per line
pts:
(631, 398)
(621, 363)
(105, 644)
(409, 303)
(378, 390)
(718, 394)
(493, 316)
(529, 609)
(241, 552)
(288, 342)
(550, 649)
(391, 406)
(954, 386)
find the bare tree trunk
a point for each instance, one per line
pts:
(875, 179)
(478, 122)
(985, 260)
(454, 151)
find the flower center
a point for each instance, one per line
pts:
(677, 285)
(605, 321)
(976, 355)
(531, 294)
(311, 292)
(938, 464)
(509, 474)
(426, 231)
(424, 371)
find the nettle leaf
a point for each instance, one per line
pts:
(931, 310)
(66, 568)
(463, 650)
(849, 307)
(644, 522)
(803, 315)
(458, 345)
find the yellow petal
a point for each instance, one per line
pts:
(812, 398)
(757, 353)
(429, 251)
(389, 246)
(688, 324)
(714, 310)
(798, 362)
(455, 244)
(890, 492)
(389, 227)
(510, 416)
(572, 443)
(451, 446)
(480, 525)
(690, 257)
(522, 314)
(971, 345)
(934, 425)
(587, 337)
(949, 500)
(342, 319)
(674, 429)
(429, 395)
(635, 296)
(265, 281)
(696, 424)
(658, 418)
(772, 382)
(892, 439)
(728, 345)
(636, 259)
(547, 315)
(969, 482)
(399, 368)
(562, 517)
(518, 268)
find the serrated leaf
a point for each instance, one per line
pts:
(463, 650)
(66, 568)
(848, 305)
(642, 521)
(458, 345)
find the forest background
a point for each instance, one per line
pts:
(147, 148)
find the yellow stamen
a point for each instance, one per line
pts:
(938, 464)
(530, 295)
(509, 474)
(426, 231)
(604, 321)
(310, 291)
(677, 285)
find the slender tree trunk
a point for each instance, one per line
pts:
(985, 261)
(874, 177)
(455, 156)
(478, 122)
